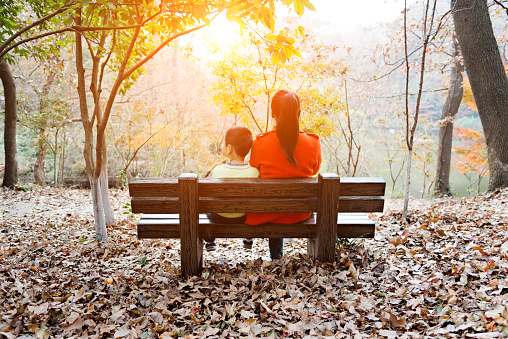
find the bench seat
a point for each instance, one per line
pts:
(349, 225)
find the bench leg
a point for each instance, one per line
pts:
(191, 256)
(191, 245)
(323, 246)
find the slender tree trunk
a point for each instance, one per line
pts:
(40, 162)
(488, 79)
(62, 158)
(101, 233)
(410, 132)
(450, 109)
(408, 183)
(55, 160)
(93, 175)
(39, 172)
(106, 202)
(11, 116)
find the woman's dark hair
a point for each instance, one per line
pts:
(286, 111)
(240, 138)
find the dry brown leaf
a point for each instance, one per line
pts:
(74, 322)
(397, 321)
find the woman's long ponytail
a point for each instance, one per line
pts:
(286, 111)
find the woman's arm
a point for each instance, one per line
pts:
(317, 166)
(254, 155)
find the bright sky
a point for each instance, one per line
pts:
(347, 15)
(334, 16)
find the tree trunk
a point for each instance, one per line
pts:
(40, 162)
(488, 79)
(62, 158)
(97, 201)
(101, 234)
(39, 172)
(108, 210)
(55, 160)
(450, 109)
(11, 116)
(408, 184)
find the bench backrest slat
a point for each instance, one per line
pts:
(362, 187)
(259, 187)
(153, 187)
(171, 205)
(161, 196)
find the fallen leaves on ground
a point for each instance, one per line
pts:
(439, 273)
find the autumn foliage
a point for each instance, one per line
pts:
(472, 153)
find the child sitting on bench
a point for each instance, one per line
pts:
(237, 144)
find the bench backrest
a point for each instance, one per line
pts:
(188, 196)
(162, 196)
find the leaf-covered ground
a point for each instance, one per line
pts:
(440, 273)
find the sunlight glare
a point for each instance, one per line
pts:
(223, 33)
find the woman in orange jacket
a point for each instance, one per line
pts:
(284, 152)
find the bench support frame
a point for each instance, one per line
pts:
(174, 208)
(191, 246)
(322, 247)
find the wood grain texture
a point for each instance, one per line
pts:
(362, 187)
(258, 187)
(174, 209)
(255, 187)
(326, 225)
(256, 205)
(163, 230)
(341, 218)
(168, 226)
(190, 245)
(155, 205)
(364, 204)
(153, 187)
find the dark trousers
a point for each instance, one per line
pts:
(276, 247)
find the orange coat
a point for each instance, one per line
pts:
(269, 158)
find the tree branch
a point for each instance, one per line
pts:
(10, 48)
(155, 51)
(36, 23)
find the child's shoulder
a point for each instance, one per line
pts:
(231, 171)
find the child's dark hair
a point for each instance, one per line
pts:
(240, 138)
(286, 111)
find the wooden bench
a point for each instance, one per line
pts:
(173, 208)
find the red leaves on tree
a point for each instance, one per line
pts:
(472, 152)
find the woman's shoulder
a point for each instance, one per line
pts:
(312, 135)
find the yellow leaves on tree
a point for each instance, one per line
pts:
(468, 98)
(282, 48)
(248, 76)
